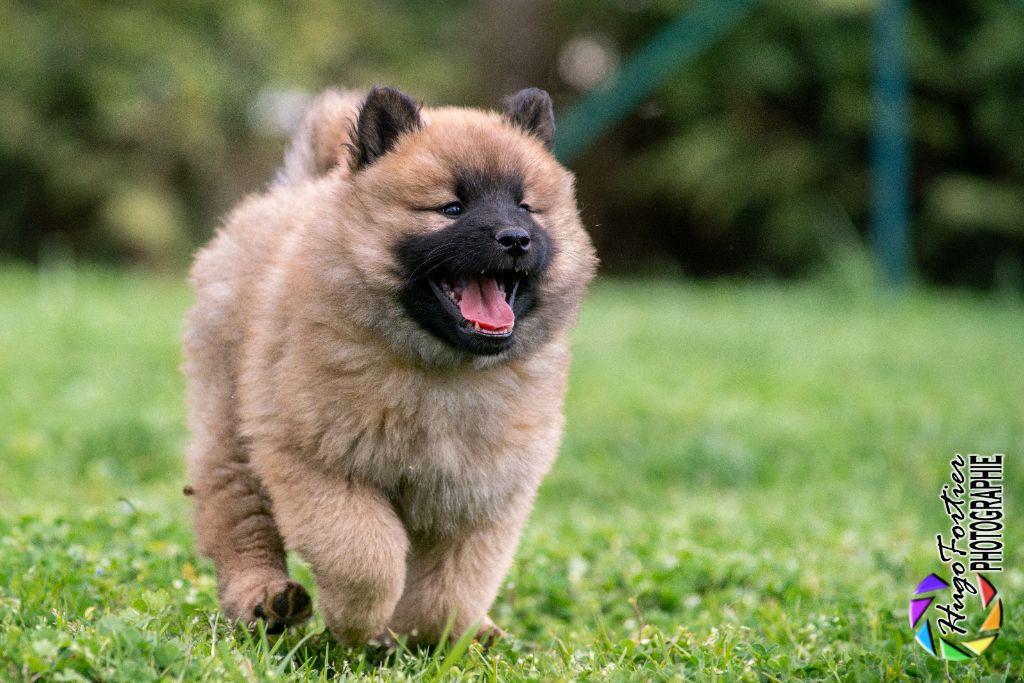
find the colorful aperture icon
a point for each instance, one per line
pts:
(946, 647)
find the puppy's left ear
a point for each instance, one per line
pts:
(386, 114)
(531, 110)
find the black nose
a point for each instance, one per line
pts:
(515, 240)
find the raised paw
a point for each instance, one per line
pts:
(286, 603)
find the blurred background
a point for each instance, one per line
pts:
(127, 129)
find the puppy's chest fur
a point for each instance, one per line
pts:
(451, 450)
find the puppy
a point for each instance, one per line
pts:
(377, 360)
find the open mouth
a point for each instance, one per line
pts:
(481, 304)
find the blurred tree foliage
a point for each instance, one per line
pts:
(127, 128)
(754, 158)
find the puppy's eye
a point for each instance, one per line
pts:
(525, 207)
(453, 210)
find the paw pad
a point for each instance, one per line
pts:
(284, 606)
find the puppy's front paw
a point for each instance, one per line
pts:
(384, 643)
(490, 633)
(285, 603)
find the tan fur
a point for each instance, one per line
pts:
(328, 422)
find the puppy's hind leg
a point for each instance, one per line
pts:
(236, 529)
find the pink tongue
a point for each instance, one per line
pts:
(484, 303)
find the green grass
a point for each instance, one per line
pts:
(748, 490)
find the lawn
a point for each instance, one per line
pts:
(748, 490)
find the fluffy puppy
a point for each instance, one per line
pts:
(376, 364)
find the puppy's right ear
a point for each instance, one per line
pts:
(531, 110)
(385, 116)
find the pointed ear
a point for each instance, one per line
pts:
(386, 114)
(531, 110)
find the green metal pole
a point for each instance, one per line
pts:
(890, 145)
(679, 42)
